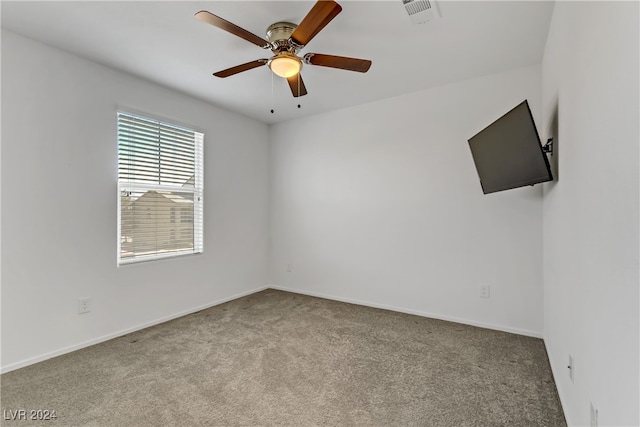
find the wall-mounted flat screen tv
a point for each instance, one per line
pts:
(508, 153)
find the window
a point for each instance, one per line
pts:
(159, 175)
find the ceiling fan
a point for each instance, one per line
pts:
(285, 40)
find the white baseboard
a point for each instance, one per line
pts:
(69, 349)
(502, 328)
(557, 382)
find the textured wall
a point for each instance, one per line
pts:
(591, 280)
(381, 204)
(59, 163)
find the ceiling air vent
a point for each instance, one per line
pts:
(421, 11)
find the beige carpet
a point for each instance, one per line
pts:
(277, 358)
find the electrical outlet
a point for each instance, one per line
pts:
(570, 367)
(289, 268)
(594, 416)
(485, 291)
(84, 305)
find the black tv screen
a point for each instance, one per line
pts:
(508, 153)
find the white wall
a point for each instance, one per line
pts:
(591, 274)
(59, 163)
(381, 204)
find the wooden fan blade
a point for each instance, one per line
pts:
(318, 17)
(342, 62)
(223, 24)
(240, 68)
(297, 85)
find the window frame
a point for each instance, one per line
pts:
(197, 190)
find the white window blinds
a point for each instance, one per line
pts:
(160, 189)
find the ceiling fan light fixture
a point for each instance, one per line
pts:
(285, 65)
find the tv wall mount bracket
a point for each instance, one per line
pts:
(548, 147)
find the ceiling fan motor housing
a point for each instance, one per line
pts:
(285, 62)
(279, 34)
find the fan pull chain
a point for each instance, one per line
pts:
(272, 96)
(298, 87)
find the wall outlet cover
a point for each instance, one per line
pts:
(485, 291)
(84, 305)
(594, 416)
(570, 367)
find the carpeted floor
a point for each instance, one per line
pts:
(277, 358)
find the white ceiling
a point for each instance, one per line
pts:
(161, 41)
